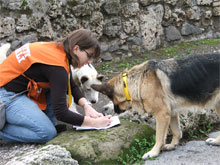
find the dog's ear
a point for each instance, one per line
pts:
(100, 77)
(125, 70)
(84, 79)
(104, 89)
(152, 64)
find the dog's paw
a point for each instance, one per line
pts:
(213, 141)
(169, 147)
(150, 154)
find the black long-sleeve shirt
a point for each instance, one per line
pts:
(58, 79)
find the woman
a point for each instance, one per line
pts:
(43, 69)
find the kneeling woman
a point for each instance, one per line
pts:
(42, 68)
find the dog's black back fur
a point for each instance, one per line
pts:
(194, 77)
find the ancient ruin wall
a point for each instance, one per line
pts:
(124, 27)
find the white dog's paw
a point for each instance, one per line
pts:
(150, 154)
(213, 141)
(169, 147)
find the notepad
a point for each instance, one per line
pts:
(115, 122)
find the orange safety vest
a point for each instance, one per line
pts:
(22, 59)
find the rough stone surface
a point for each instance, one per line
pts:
(151, 27)
(172, 34)
(84, 146)
(51, 154)
(194, 13)
(115, 20)
(101, 146)
(204, 2)
(188, 29)
(193, 153)
(216, 11)
(7, 27)
(13, 150)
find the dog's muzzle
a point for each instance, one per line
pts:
(117, 109)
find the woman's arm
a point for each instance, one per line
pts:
(89, 110)
(58, 82)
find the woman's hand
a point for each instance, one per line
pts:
(91, 112)
(103, 121)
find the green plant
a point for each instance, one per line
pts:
(192, 134)
(199, 133)
(206, 129)
(137, 150)
(106, 67)
(24, 3)
(138, 61)
(211, 41)
(125, 65)
(189, 51)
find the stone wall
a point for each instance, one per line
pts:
(124, 27)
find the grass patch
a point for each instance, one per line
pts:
(174, 51)
(211, 42)
(118, 65)
(138, 148)
(200, 133)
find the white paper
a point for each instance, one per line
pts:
(115, 121)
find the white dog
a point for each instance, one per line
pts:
(85, 77)
(3, 51)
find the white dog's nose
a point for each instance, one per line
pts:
(93, 101)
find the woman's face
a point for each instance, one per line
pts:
(85, 56)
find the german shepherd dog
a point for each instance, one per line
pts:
(163, 88)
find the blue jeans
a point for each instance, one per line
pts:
(25, 121)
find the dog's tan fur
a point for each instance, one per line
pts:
(150, 92)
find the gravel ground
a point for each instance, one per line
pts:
(8, 151)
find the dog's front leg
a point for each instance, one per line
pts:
(162, 123)
(176, 131)
(213, 141)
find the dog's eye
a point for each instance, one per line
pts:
(88, 89)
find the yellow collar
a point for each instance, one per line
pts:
(125, 86)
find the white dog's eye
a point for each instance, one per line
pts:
(88, 89)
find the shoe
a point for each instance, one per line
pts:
(60, 128)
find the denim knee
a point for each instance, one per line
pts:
(48, 135)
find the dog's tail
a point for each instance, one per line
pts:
(3, 51)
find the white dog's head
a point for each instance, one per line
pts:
(85, 77)
(3, 51)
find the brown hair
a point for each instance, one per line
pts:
(84, 39)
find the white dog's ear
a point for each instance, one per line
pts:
(84, 79)
(100, 77)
